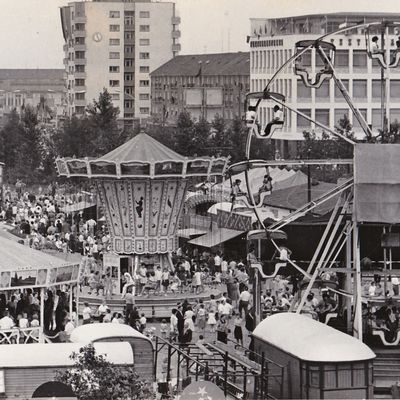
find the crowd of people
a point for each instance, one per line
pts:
(20, 309)
(44, 220)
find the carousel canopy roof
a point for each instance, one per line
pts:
(142, 157)
(15, 256)
(142, 148)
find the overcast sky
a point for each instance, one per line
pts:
(30, 30)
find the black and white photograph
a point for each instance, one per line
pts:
(199, 199)
(23, 278)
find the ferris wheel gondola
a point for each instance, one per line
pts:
(279, 113)
(323, 50)
(375, 45)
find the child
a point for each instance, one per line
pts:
(217, 279)
(165, 280)
(211, 321)
(176, 282)
(201, 318)
(143, 322)
(238, 333)
(164, 329)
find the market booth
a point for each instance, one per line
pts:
(23, 268)
(319, 361)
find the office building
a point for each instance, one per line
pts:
(203, 84)
(115, 45)
(272, 42)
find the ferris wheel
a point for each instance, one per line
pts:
(342, 229)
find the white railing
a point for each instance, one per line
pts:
(20, 336)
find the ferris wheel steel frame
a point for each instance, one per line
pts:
(349, 235)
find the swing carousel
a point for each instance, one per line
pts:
(365, 199)
(141, 188)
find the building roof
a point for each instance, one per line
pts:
(58, 354)
(14, 256)
(340, 14)
(211, 64)
(95, 332)
(294, 197)
(32, 74)
(142, 148)
(310, 340)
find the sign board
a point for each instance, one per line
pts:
(232, 220)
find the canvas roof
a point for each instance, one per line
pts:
(292, 198)
(142, 148)
(14, 256)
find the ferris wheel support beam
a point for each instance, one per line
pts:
(324, 127)
(324, 254)
(343, 90)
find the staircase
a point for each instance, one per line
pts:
(386, 369)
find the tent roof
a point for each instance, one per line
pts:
(14, 256)
(142, 148)
(256, 176)
(294, 197)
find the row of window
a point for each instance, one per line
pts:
(115, 55)
(273, 59)
(116, 69)
(127, 77)
(117, 14)
(359, 90)
(117, 28)
(323, 116)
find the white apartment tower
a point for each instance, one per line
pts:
(115, 45)
(272, 42)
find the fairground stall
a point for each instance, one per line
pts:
(24, 269)
(141, 188)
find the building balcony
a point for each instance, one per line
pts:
(80, 19)
(129, 110)
(129, 41)
(65, 61)
(129, 69)
(129, 54)
(80, 89)
(79, 33)
(176, 47)
(80, 75)
(80, 103)
(129, 28)
(176, 34)
(80, 61)
(175, 20)
(80, 47)
(65, 47)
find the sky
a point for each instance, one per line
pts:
(31, 37)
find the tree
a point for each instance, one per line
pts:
(94, 378)
(102, 119)
(219, 142)
(11, 140)
(184, 134)
(237, 134)
(201, 137)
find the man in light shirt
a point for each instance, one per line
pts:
(244, 300)
(6, 322)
